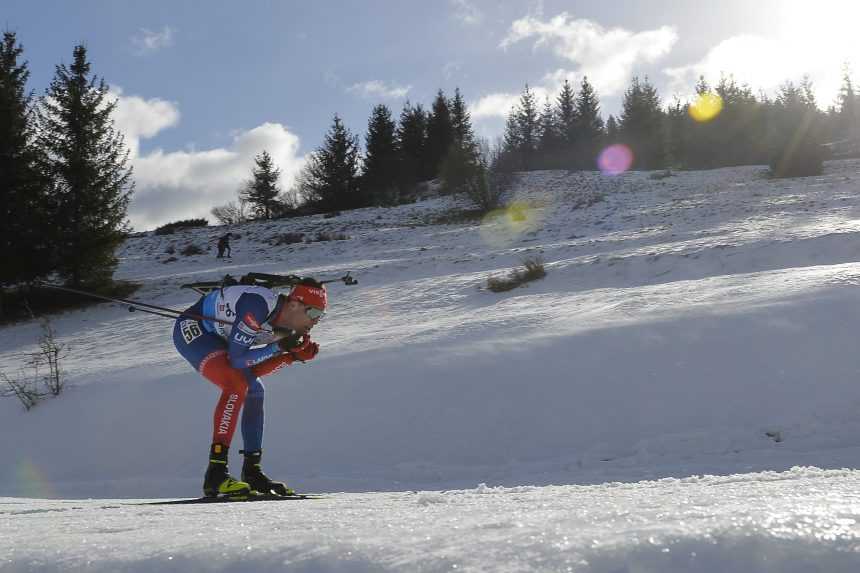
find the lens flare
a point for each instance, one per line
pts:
(706, 107)
(615, 159)
(30, 481)
(503, 226)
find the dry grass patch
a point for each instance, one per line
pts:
(532, 269)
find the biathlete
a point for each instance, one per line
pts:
(269, 331)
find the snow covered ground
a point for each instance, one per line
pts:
(704, 323)
(793, 522)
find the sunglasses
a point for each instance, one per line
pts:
(314, 313)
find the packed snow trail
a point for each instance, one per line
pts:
(804, 520)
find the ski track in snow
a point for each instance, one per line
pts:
(704, 323)
(798, 521)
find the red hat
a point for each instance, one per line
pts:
(310, 295)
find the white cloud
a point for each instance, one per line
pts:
(379, 89)
(139, 118)
(493, 105)
(172, 185)
(607, 56)
(147, 41)
(763, 64)
(466, 12)
(500, 104)
(187, 184)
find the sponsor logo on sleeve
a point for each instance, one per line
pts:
(243, 339)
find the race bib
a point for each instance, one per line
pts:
(190, 330)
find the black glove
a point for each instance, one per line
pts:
(307, 350)
(287, 338)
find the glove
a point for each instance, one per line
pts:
(305, 351)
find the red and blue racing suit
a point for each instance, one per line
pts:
(233, 357)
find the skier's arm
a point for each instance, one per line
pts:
(305, 350)
(251, 312)
(272, 365)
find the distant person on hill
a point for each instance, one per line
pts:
(265, 332)
(224, 245)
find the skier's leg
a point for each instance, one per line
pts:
(216, 368)
(252, 416)
(207, 353)
(252, 437)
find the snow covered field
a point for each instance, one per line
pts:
(795, 522)
(704, 323)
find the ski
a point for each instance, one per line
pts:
(235, 499)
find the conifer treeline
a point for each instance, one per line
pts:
(569, 132)
(65, 180)
(747, 129)
(419, 146)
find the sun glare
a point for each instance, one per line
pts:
(706, 107)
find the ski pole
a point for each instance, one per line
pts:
(135, 305)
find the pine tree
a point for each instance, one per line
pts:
(702, 86)
(26, 235)
(527, 120)
(677, 125)
(549, 142)
(412, 135)
(461, 164)
(849, 115)
(611, 129)
(380, 177)
(509, 157)
(329, 180)
(88, 162)
(641, 125)
(440, 135)
(794, 132)
(566, 112)
(262, 191)
(461, 122)
(589, 125)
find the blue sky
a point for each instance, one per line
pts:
(204, 86)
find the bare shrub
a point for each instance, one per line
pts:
(532, 269)
(329, 236)
(29, 389)
(49, 355)
(171, 228)
(232, 213)
(23, 387)
(287, 239)
(190, 250)
(489, 183)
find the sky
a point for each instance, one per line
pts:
(204, 87)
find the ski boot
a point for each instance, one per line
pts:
(254, 476)
(217, 481)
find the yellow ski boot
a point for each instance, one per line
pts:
(218, 482)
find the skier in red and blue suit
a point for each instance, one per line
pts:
(268, 331)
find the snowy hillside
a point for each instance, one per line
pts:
(703, 323)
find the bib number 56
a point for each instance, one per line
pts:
(190, 330)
